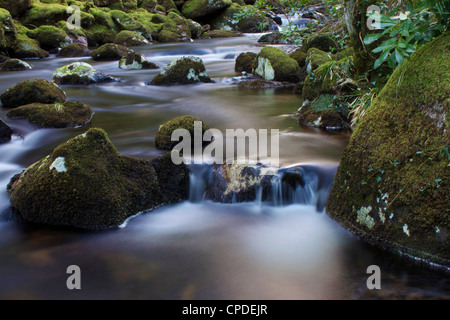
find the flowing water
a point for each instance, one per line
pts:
(286, 248)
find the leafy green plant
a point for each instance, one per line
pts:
(404, 32)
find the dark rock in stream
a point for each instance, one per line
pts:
(86, 183)
(110, 52)
(15, 65)
(184, 70)
(5, 132)
(80, 73)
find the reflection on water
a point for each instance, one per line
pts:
(199, 250)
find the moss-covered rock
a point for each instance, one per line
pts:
(325, 112)
(86, 183)
(322, 42)
(57, 115)
(26, 48)
(5, 132)
(50, 37)
(80, 73)
(8, 32)
(392, 185)
(163, 136)
(263, 84)
(75, 50)
(273, 38)
(174, 29)
(212, 34)
(316, 58)
(130, 39)
(299, 56)
(199, 9)
(136, 61)
(99, 35)
(124, 5)
(274, 64)
(184, 70)
(110, 52)
(149, 5)
(30, 91)
(45, 14)
(195, 28)
(16, 8)
(244, 62)
(129, 22)
(15, 65)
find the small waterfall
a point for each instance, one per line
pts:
(198, 178)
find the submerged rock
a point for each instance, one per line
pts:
(5, 132)
(136, 61)
(244, 62)
(110, 52)
(80, 73)
(15, 65)
(57, 115)
(163, 136)
(184, 70)
(86, 183)
(392, 185)
(75, 50)
(30, 91)
(274, 64)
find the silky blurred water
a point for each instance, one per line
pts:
(200, 250)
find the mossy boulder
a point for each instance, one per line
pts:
(273, 38)
(5, 132)
(15, 7)
(392, 185)
(200, 9)
(15, 65)
(274, 64)
(316, 58)
(45, 14)
(8, 32)
(163, 136)
(325, 112)
(26, 48)
(86, 183)
(129, 22)
(299, 56)
(30, 91)
(74, 50)
(195, 28)
(212, 34)
(124, 5)
(184, 70)
(322, 42)
(56, 115)
(174, 29)
(244, 62)
(136, 61)
(110, 52)
(130, 39)
(50, 37)
(99, 35)
(80, 73)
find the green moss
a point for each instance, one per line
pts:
(322, 42)
(148, 5)
(79, 73)
(110, 52)
(8, 32)
(167, 5)
(124, 21)
(15, 65)
(244, 62)
(163, 136)
(69, 114)
(211, 34)
(102, 18)
(198, 9)
(16, 8)
(226, 20)
(274, 64)
(397, 150)
(49, 37)
(184, 70)
(316, 58)
(74, 50)
(324, 112)
(99, 35)
(130, 38)
(174, 29)
(136, 61)
(45, 14)
(299, 56)
(30, 91)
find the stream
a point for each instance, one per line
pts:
(197, 249)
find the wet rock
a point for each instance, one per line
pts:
(5, 132)
(163, 138)
(75, 50)
(263, 84)
(184, 70)
(86, 183)
(57, 115)
(274, 64)
(195, 28)
(110, 52)
(130, 39)
(136, 61)
(273, 38)
(392, 186)
(8, 34)
(50, 37)
(26, 48)
(16, 8)
(80, 73)
(15, 65)
(244, 62)
(30, 91)
(199, 9)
